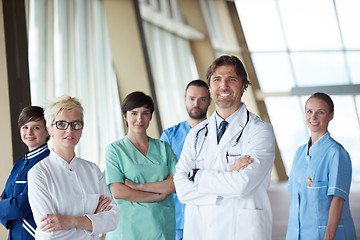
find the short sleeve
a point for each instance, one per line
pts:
(113, 170)
(171, 157)
(164, 137)
(340, 171)
(293, 169)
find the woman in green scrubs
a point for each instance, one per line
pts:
(139, 172)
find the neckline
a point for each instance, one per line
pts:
(148, 150)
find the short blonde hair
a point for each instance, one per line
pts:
(60, 104)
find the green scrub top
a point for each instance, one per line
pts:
(152, 220)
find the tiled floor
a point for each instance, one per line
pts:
(280, 199)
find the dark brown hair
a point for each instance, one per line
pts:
(226, 60)
(29, 114)
(326, 98)
(197, 83)
(135, 100)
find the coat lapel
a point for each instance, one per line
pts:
(233, 130)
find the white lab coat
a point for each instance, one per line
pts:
(221, 204)
(70, 189)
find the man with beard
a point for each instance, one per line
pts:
(224, 170)
(197, 100)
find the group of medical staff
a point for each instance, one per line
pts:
(204, 179)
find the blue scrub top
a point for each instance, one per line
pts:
(15, 212)
(314, 178)
(175, 136)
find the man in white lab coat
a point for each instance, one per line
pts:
(224, 169)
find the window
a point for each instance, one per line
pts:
(173, 65)
(69, 54)
(299, 44)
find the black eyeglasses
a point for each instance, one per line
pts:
(63, 125)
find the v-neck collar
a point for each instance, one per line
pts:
(133, 146)
(317, 145)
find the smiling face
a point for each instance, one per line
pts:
(34, 134)
(226, 89)
(318, 116)
(138, 120)
(65, 139)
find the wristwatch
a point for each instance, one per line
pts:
(191, 174)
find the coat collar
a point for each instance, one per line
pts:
(231, 132)
(319, 144)
(62, 162)
(36, 152)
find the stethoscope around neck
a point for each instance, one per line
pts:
(205, 128)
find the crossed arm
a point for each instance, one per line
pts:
(145, 192)
(14, 208)
(232, 183)
(48, 219)
(54, 222)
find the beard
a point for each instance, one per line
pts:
(200, 115)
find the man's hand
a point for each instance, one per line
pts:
(241, 163)
(192, 174)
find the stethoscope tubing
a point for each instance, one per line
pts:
(207, 131)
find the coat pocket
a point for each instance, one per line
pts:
(250, 224)
(340, 232)
(317, 191)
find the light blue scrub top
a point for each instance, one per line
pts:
(175, 136)
(314, 178)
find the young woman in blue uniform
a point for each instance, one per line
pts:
(319, 181)
(15, 212)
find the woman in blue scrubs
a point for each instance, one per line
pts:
(15, 212)
(319, 181)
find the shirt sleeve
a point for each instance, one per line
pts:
(104, 222)
(290, 179)
(16, 207)
(171, 158)
(340, 174)
(186, 190)
(164, 137)
(39, 197)
(112, 162)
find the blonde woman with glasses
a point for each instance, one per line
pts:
(67, 194)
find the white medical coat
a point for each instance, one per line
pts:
(70, 189)
(221, 204)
